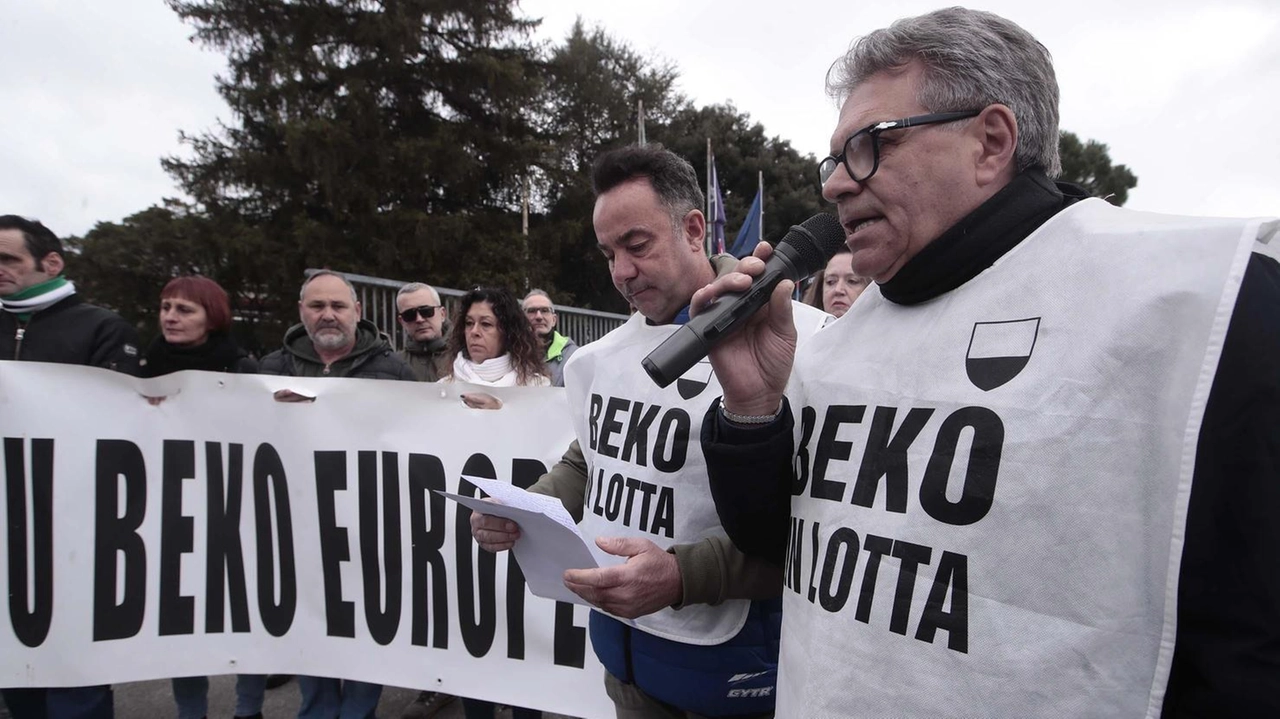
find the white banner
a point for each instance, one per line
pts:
(221, 531)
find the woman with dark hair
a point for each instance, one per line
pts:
(835, 288)
(195, 324)
(492, 344)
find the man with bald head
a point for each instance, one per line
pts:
(1033, 469)
(333, 341)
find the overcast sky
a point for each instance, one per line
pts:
(1185, 93)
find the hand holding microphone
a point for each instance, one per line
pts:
(756, 358)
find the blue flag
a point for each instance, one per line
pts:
(749, 234)
(717, 213)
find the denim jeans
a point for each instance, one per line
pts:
(325, 698)
(61, 703)
(192, 695)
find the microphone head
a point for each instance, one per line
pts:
(813, 242)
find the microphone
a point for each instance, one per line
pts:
(805, 250)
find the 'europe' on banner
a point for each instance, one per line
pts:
(220, 531)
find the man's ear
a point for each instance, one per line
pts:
(695, 229)
(996, 132)
(52, 264)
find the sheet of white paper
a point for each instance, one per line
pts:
(545, 549)
(512, 496)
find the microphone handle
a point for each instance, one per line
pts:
(725, 315)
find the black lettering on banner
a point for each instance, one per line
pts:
(119, 462)
(673, 433)
(598, 508)
(981, 471)
(593, 420)
(876, 548)
(910, 557)
(611, 425)
(430, 576)
(331, 477)
(953, 576)
(830, 448)
(30, 621)
(225, 559)
(846, 539)
(813, 562)
(177, 537)
(637, 438)
(383, 593)
(477, 583)
(632, 485)
(524, 472)
(886, 457)
(808, 418)
(831, 588)
(569, 640)
(613, 502)
(274, 530)
(664, 523)
(648, 489)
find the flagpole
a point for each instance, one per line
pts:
(640, 138)
(706, 238)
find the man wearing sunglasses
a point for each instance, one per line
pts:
(422, 317)
(1033, 470)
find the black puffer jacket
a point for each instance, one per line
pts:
(372, 358)
(71, 332)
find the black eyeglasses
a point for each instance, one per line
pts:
(861, 156)
(426, 312)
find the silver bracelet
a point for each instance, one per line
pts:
(736, 418)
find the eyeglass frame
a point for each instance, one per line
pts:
(412, 314)
(873, 131)
(539, 310)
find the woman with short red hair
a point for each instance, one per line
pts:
(195, 331)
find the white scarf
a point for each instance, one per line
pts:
(495, 372)
(40, 302)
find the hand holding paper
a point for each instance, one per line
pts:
(538, 530)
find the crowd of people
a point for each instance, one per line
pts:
(1030, 471)
(493, 341)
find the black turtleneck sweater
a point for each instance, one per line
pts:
(1227, 652)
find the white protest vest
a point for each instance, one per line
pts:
(646, 473)
(992, 485)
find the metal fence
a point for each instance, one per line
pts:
(377, 297)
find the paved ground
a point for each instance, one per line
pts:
(154, 700)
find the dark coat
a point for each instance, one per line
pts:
(372, 357)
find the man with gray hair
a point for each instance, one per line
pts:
(422, 316)
(541, 312)
(1034, 472)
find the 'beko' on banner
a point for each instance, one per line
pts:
(220, 531)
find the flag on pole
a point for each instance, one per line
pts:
(752, 227)
(717, 212)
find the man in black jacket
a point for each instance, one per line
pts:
(1034, 471)
(44, 320)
